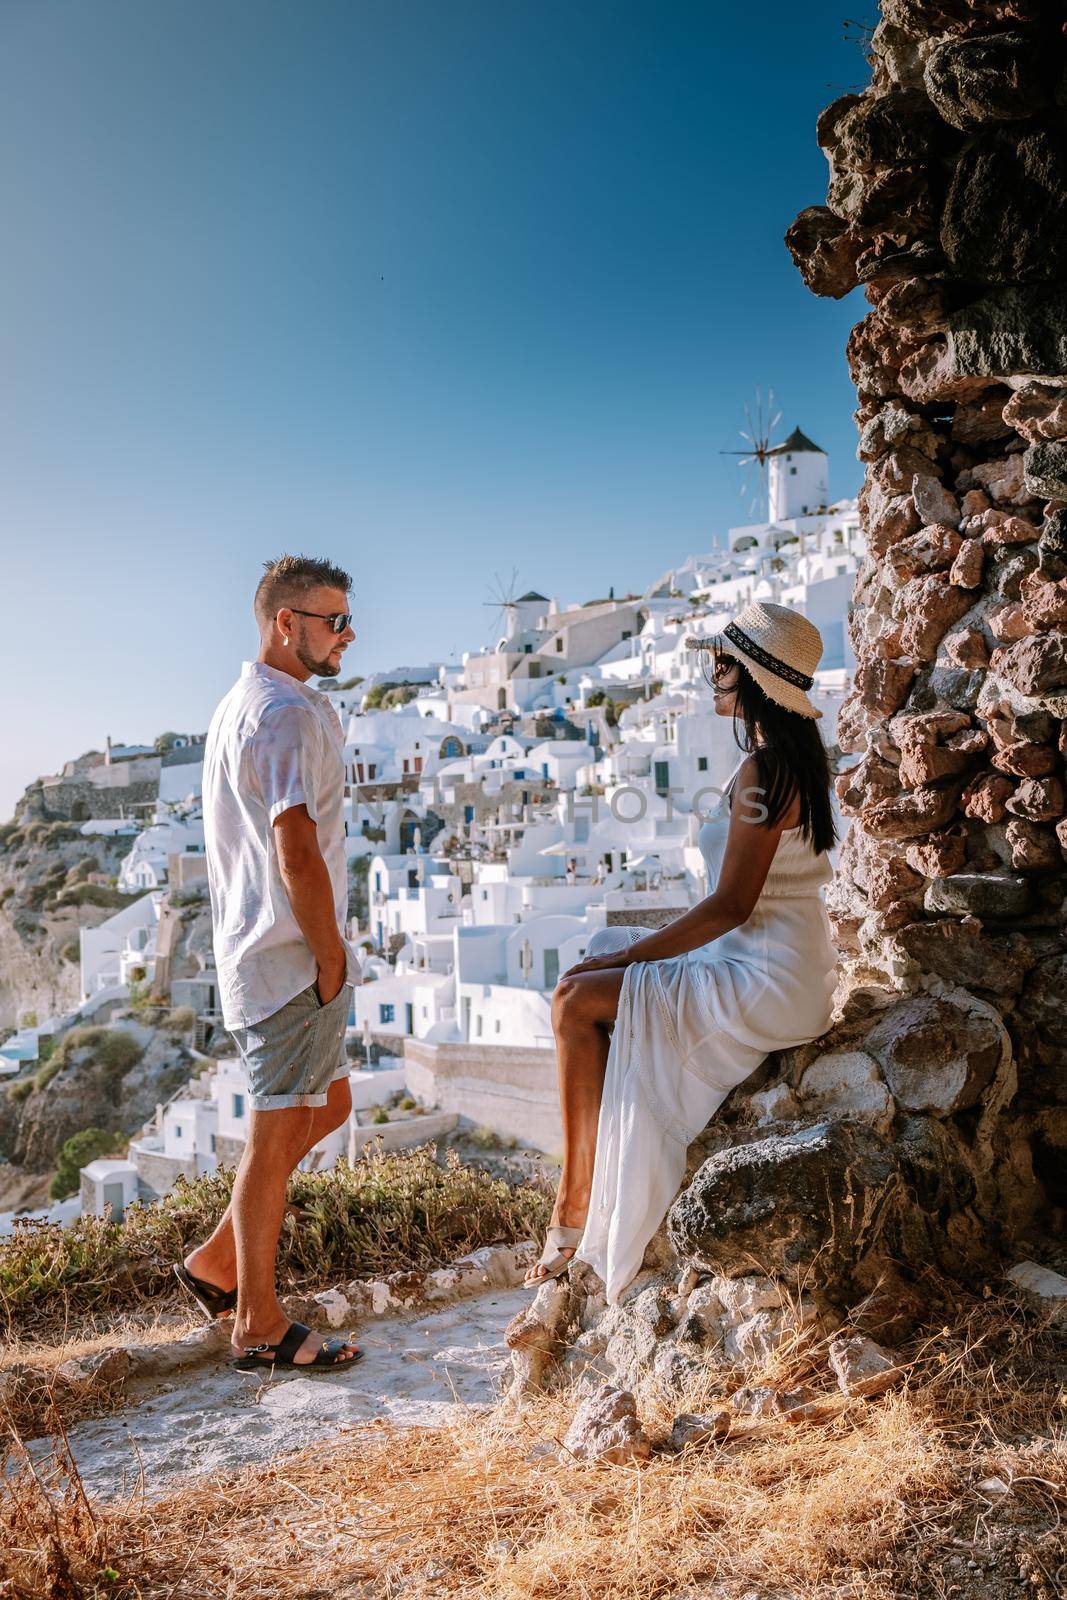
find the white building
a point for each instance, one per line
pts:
(123, 944)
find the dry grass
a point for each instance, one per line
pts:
(37, 1399)
(877, 1503)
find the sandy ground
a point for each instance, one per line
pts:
(415, 1370)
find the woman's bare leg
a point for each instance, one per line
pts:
(583, 1009)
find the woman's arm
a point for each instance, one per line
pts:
(746, 861)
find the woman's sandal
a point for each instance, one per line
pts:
(282, 1353)
(213, 1301)
(555, 1264)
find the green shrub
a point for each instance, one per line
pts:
(379, 1114)
(80, 871)
(71, 951)
(385, 1213)
(485, 1139)
(408, 1104)
(20, 1090)
(10, 834)
(94, 894)
(44, 1075)
(112, 1049)
(81, 1148)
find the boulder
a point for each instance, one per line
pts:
(845, 1081)
(933, 501)
(938, 1056)
(818, 1194)
(606, 1429)
(1038, 411)
(535, 1336)
(100, 1368)
(927, 606)
(910, 815)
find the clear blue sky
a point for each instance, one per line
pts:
(435, 287)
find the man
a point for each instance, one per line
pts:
(278, 879)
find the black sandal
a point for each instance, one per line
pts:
(284, 1351)
(213, 1301)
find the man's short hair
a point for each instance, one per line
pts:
(289, 580)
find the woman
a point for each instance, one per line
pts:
(698, 1004)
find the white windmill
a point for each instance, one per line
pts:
(753, 459)
(502, 598)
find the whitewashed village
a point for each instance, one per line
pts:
(499, 812)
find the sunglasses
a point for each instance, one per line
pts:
(338, 620)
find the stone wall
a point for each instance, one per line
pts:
(926, 1133)
(506, 1088)
(77, 799)
(947, 202)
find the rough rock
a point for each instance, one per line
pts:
(1043, 1289)
(824, 1194)
(845, 1081)
(999, 77)
(825, 250)
(534, 1336)
(1005, 213)
(692, 1432)
(606, 1429)
(1046, 469)
(1038, 411)
(102, 1367)
(938, 1055)
(863, 1367)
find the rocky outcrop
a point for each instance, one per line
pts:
(949, 176)
(48, 892)
(927, 1129)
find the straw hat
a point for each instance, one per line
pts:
(778, 646)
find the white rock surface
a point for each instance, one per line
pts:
(846, 1080)
(863, 1367)
(415, 1371)
(606, 1428)
(1043, 1289)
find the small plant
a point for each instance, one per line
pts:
(81, 1148)
(485, 1139)
(379, 1114)
(408, 1104)
(20, 1090)
(71, 951)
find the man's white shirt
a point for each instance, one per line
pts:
(273, 743)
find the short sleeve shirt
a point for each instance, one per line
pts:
(273, 743)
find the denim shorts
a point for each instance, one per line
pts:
(292, 1056)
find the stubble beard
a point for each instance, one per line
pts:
(320, 669)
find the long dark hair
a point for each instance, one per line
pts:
(789, 752)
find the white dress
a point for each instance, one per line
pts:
(691, 1027)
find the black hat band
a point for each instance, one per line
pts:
(781, 669)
